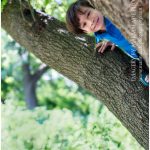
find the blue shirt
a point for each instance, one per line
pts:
(114, 35)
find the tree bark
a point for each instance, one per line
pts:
(29, 88)
(106, 76)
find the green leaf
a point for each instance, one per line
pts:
(3, 4)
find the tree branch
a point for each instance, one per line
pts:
(37, 75)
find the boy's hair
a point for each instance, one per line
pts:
(72, 22)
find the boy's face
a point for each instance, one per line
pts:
(90, 20)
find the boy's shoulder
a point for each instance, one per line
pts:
(97, 32)
(98, 36)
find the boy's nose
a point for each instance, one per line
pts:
(90, 23)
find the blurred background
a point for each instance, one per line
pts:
(43, 110)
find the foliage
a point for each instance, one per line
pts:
(55, 8)
(63, 93)
(10, 68)
(57, 129)
(12, 73)
(3, 4)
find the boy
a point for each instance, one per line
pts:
(83, 18)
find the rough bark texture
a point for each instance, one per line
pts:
(106, 77)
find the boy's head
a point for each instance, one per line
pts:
(81, 18)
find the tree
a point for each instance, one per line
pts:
(30, 81)
(106, 76)
(32, 72)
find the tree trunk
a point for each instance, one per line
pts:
(106, 77)
(29, 88)
(30, 83)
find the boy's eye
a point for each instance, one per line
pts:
(88, 14)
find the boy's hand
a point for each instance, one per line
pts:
(103, 45)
